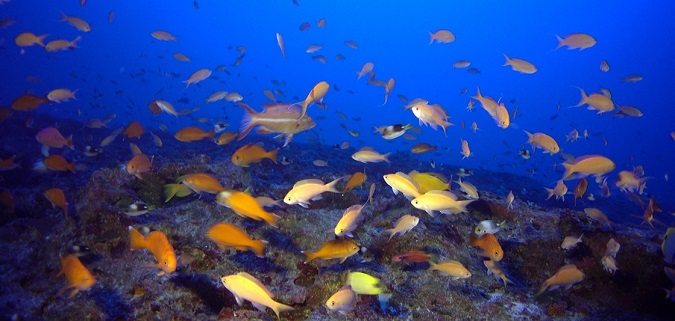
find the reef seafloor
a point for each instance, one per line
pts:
(34, 236)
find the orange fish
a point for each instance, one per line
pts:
(51, 137)
(334, 249)
(190, 134)
(28, 102)
(225, 234)
(157, 243)
(248, 154)
(58, 199)
(139, 164)
(490, 246)
(7, 201)
(321, 23)
(77, 275)
(58, 163)
(8, 163)
(355, 180)
(245, 205)
(200, 182)
(226, 137)
(580, 189)
(134, 130)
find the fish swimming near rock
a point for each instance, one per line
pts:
(157, 243)
(245, 287)
(77, 275)
(334, 249)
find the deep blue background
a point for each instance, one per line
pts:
(119, 68)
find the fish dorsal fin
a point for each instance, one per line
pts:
(346, 287)
(308, 181)
(568, 267)
(356, 207)
(257, 282)
(366, 148)
(454, 262)
(400, 219)
(439, 176)
(134, 149)
(443, 193)
(413, 173)
(410, 180)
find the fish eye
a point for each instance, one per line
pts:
(332, 303)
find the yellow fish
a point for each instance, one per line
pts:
(334, 249)
(225, 234)
(245, 287)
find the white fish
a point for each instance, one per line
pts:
(489, 226)
(245, 287)
(309, 189)
(403, 225)
(349, 221)
(570, 242)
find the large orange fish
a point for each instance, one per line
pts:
(157, 243)
(490, 246)
(225, 234)
(246, 205)
(58, 163)
(200, 182)
(77, 275)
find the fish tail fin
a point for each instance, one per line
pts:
(431, 37)
(584, 97)
(259, 248)
(473, 240)
(508, 60)
(272, 219)
(309, 256)
(331, 185)
(69, 142)
(272, 155)
(41, 38)
(550, 192)
(71, 167)
(211, 134)
(432, 265)
(137, 240)
(247, 121)
(530, 137)
(74, 44)
(542, 289)
(280, 307)
(568, 170)
(386, 157)
(561, 42)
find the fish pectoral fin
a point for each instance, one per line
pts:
(239, 300)
(304, 204)
(344, 259)
(430, 212)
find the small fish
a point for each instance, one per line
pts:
(349, 221)
(509, 200)
(365, 284)
(343, 301)
(494, 268)
(489, 226)
(309, 189)
(632, 78)
(559, 191)
(401, 182)
(321, 23)
(51, 137)
(191, 134)
(249, 154)
(77, 275)
(609, 264)
(352, 44)
(520, 65)
(246, 205)
(579, 41)
(201, 182)
(225, 234)
(441, 36)
(604, 66)
(320, 163)
(91, 151)
(567, 276)
(403, 225)
(58, 199)
(444, 201)
(580, 189)
(422, 148)
(411, 257)
(334, 249)
(245, 287)
(470, 191)
(452, 268)
(466, 151)
(586, 165)
(354, 181)
(570, 242)
(76, 22)
(489, 245)
(157, 243)
(171, 190)
(138, 208)
(461, 64)
(134, 130)
(197, 77)
(597, 215)
(543, 141)
(368, 155)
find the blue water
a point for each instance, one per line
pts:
(119, 68)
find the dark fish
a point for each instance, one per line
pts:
(554, 117)
(195, 4)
